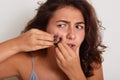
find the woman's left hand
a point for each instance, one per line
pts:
(68, 61)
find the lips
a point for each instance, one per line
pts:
(71, 45)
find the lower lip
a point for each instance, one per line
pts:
(71, 46)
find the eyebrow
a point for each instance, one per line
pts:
(69, 21)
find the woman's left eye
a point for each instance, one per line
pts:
(79, 26)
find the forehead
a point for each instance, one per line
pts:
(68, 12)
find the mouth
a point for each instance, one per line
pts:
(71, 45)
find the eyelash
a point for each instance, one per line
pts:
(61, 25)
(81, 27)
(77, 26)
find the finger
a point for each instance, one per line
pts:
(40, 32)
(41, 47)
(44, 43)
(63, 51)
(44, 37)
(70, 51)
(58, 62)
(59, 56)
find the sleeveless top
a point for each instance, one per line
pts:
(33, 75)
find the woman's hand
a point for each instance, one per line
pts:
(69, 62)
(33, 39)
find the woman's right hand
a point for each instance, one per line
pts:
(33, 39)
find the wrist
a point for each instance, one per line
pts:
(77, 75)
(14, 46)
(7, 49)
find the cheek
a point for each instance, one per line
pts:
(81, 37)
(51, 30)
(55, 30)
(61, 34)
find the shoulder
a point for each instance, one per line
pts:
(97, 71)
(15, 65)
(20, 59)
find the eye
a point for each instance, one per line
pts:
(79, 26)
(61, 25)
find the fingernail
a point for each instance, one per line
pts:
(56, 44)
(60, 39)
(55, 38)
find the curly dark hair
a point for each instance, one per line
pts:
(91, 48)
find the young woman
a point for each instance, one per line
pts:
(62, 42)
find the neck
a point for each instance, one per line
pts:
(51, 58)
(52, 63)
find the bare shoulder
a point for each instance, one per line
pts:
(21, 61)
(15, 65)
(98, 72)
(18, 58)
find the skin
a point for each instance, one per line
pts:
(61, 63)
(71, 29)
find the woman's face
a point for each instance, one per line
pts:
(68, 23)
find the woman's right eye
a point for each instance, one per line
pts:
(61, 25)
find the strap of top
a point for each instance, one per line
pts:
(33, 75)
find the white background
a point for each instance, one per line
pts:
(14, 15)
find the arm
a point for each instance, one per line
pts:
(98, 75)
(8, 69)
(31, 40)
(7, 49)
(68, 61)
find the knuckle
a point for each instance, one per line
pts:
(44, 43)
(33, 31)
(33, 48)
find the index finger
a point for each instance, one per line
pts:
(45, 33)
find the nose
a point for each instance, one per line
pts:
(71, 34)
